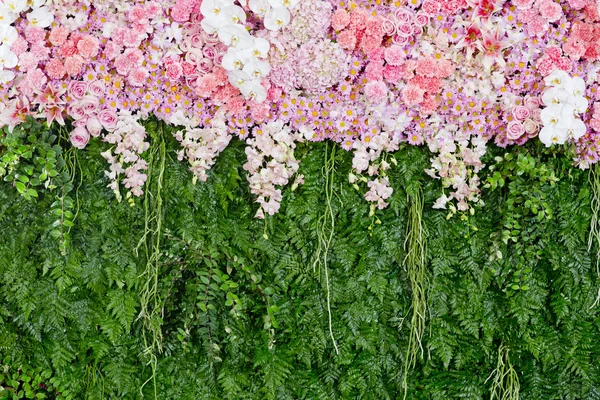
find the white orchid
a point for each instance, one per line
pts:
(260, 49)
(257, 69)
(253, 90)
(549, 136)
(554, 95)
(8, 59)
(277, 18)
(283, 3)
(214, 8)
(572, 129)
(238, 77)
(15, 6)
(6, 76)
(555, 113)
(232, 60)
(8, 34)
(235, 35)
(7, 17)
(558, 78)
(40, 17)
(259, 7)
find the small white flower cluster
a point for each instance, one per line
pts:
(202, 146)
(242, 60)
(271, 162)
(565, 101)
(367, 157)
(38, 16)
(130, 139)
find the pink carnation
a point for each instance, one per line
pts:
(376, 91)
(340, 19)
(173, 71)
(67, 49)
(55, 69)
(88, 46)
(58, 35)
(550, 10)
(374, 71)
(394, 55)
(358, 19)
(73, 65)
(347, 40)
(412, 95)
(392, 74)
(427, 67)
(523, 4)
(138, 76)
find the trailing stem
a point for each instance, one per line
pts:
(594, 178)
(327, 221)
(150, 302)
(415, 247)
(506, 380)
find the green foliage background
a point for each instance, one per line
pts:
(243, 316)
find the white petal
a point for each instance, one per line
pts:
(276, 18)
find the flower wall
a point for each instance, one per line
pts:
(456, 76)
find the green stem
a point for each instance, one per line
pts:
(594, 179)
(506, 380)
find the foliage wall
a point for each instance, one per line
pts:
(240, 309)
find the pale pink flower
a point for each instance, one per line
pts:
(80, 137)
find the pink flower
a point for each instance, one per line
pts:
(173, 71)
(93, 126)
(412, 94)
(55, 69)
(523, 4)
(531, 127)
(88, 46)
(521, 113)
(77, 89)
(421, 19)
(73, 65)
(531, 102)
(108, 119)
(340, 19)
(376, 91)
(80, 137)
(97, 88)
(138, 76)
(58, 35)
(374, 71)
(347, 40)
(514, 130)
(394, 55)
(392, 74)
(550, 10)
(112, 50)
(431, 7)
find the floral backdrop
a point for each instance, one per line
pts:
(501, 97)
(455, 76)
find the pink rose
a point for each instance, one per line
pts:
(94, 126)
(403, 16)
(405, 30)
(97, 88)
(197, 40)
(521, 113)
(531, 127)
(421, 19)
(89, 104)
(75, 111)
(108, 119)
(77, 89)
(209, 52)
(531, 102)
(204, 66)
(514, 130)
(400, 40)
(80, 122)
(536, 115)
(80, 137)
(388, 27)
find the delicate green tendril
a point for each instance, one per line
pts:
(506, 380)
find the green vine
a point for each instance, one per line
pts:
(505, 385)
(415, 245)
